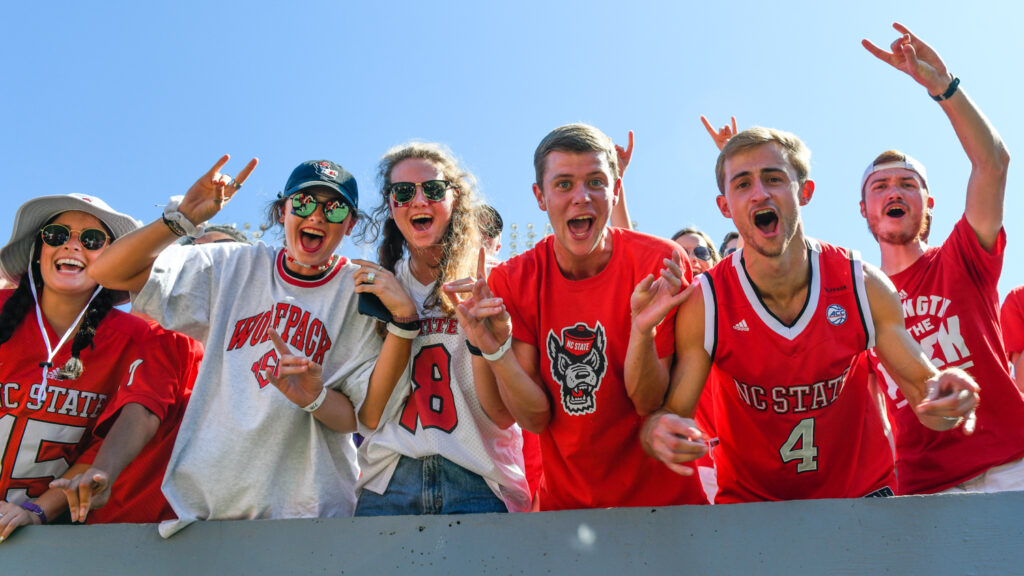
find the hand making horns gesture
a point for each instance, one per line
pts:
(213, 190)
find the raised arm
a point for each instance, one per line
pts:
(983, 145)
(620, 214)
(132, 430)
(942, 400)
(670, 434)
(646, 375)
(488, 326)
(126, 263)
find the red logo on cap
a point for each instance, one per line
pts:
(324, 169)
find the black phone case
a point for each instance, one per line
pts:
(370, 305)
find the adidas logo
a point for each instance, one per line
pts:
(741, 326)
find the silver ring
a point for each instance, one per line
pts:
(370, 277)
(237, 185)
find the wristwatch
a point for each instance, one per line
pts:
(178, 222)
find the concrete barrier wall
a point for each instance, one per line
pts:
(956, 534)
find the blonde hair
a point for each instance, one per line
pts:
(796, 152)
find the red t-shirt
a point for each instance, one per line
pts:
(46, 429)
(1012, 319)
(592, 457)
(951, 307)
(792, 409)
(162, 385)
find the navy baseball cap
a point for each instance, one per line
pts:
(323, 173)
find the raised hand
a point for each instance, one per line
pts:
(917, 59)
(375, 279)
(482, 316)
(297, 377)
(212, 190)
(720, 136)
(85, 492)
(952, 396)
(653, 298)
(625, 155)
(674, 440)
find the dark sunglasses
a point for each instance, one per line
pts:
(728, 251)
(404, 192)
(702, 253)
(335, 211)
(58, 235)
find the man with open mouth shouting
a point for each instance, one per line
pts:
(785, 323)
(584, 371)
(949, 292)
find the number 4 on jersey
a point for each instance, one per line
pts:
(431, 400)
(800, 446)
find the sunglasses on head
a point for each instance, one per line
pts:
(58, 235)
(335, 211)
(702, 253)
(404, 192)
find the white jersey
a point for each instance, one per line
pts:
(245, 451)
(434, 410)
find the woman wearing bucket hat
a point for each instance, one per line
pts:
(281, 316)
(438, 428)
(64, 349)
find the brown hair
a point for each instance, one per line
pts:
(574, 138)
(796, 152)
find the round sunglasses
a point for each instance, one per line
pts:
(702, 253)
(335, 211)
(404, 192)
(57, 235)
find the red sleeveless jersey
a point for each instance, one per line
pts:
(792, 409)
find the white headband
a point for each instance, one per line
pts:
(908, 163)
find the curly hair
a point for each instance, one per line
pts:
(18, 305)
(461, 240)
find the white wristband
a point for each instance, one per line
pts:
(402, 332)
(178, 222)
(500, 351)
(318, 402)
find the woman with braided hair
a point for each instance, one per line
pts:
(438, 440)
(64, 350)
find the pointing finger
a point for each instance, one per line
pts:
(244, 174)
(707, 126)
(878, 52)
(734, 131)
(220, 164)
(481, 264)
(282, 348)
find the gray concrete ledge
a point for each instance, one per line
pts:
(954, 534)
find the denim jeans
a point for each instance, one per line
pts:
(431, 485)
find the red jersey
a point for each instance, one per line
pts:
(1012, 319)
(792, 409)
(45, 428)
(951, 307)
(591, 452)
(162, 385)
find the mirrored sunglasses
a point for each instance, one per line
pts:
(58, 235)
(335, 211)
(702, 253)
(404, 192)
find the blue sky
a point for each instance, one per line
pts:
(131, 101)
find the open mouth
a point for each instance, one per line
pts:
(422, 222)
(766, 220)
(895, 211)
(69, 265)
(311, 239)
(580, 226)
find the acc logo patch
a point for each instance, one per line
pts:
(836, 314)
(578, 364)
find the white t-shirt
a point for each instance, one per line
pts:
(443, 416)
(244, 451)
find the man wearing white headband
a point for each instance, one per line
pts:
(949, 296)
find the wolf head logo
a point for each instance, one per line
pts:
(578, 364)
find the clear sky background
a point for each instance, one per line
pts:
(132, 101)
